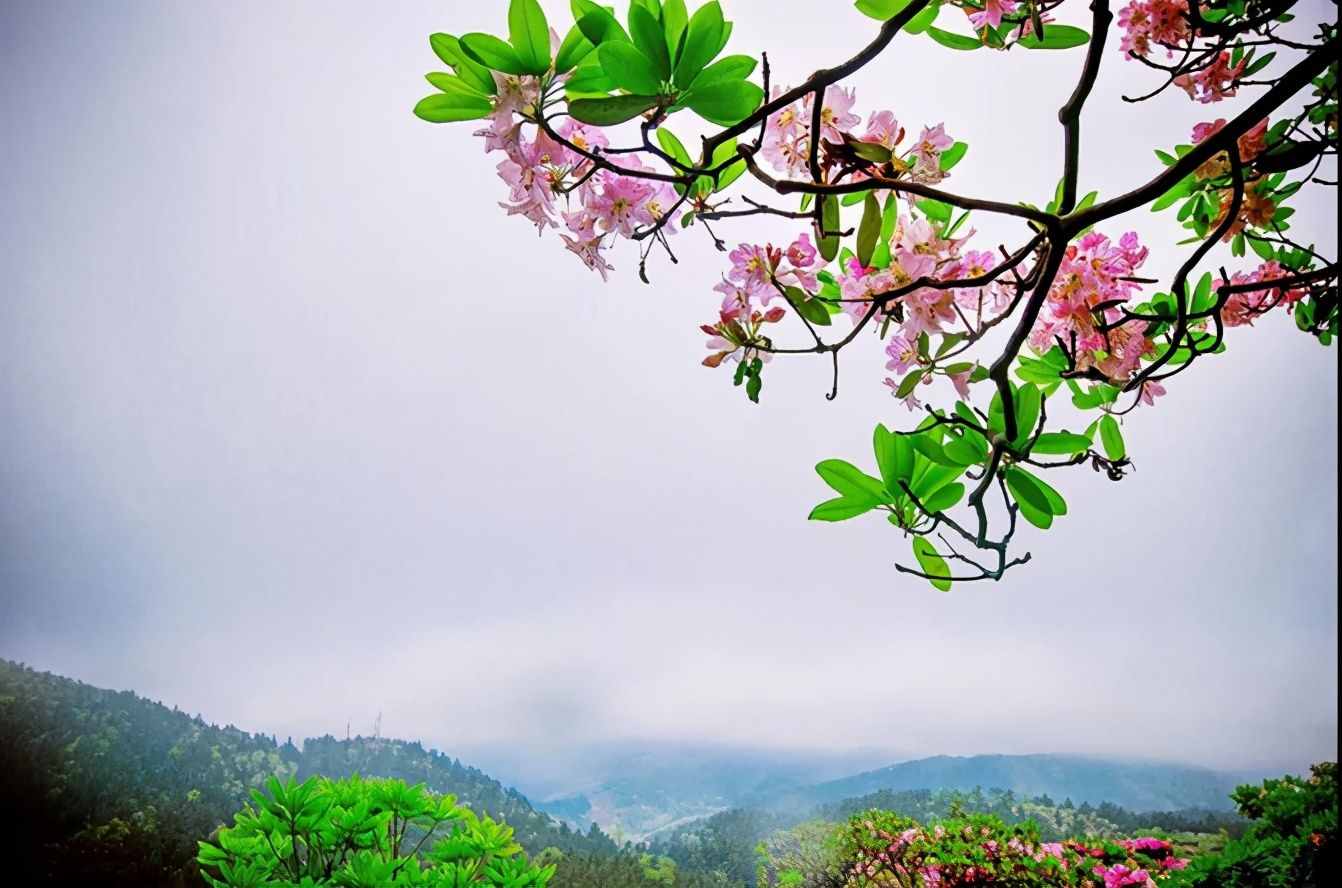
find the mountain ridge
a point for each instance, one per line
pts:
(1139, 785)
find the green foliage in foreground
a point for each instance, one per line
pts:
(358, 833)
(1292, 841)
(728, 841)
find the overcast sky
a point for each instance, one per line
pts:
(296, 427)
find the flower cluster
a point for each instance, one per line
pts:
(757, 276)
(551, 180)
(1243, 308)
(990, 16)
(1092, 285)
(787, 137)
(1213, 82)
(1251, 145)
(1147, 24)
(915, 260)
(887, 849)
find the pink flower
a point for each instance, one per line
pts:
(836, 113)
(1095, 271)
(961, 382)
(786, 141)
(801, 253)
(1153, 23)
(1243, 308)
(903, 354)
(531, 171)
(931, 144)
(516, 94)
(991, 14)
(884, 129)
(589, 251)
(1214, 82)
(621, 205)
(753, 267)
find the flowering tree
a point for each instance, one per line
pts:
(885, 250)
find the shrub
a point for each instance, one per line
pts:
(357, 833)
(1292, 842)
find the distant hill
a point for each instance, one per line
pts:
(648, 793)
(649, 788)
(1137, 786)
(99, 782)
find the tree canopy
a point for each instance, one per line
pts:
(1047, 342)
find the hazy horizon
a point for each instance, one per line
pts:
(299, 428)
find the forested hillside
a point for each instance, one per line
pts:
(100, 781)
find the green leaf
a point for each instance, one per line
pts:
(1262, 248)
(573, 50)
(935, 477)
(850, 481)
(530, 35)
(734, 67)
(932, 564)
(1029, 401)
(650, 39)
(935, 210)
(954, 41)
(612, 110)
(967, 449)
(890, 219)
(597, 23)
(945, 498)
(840, 509)
(910, 382)
(449, 107)
(1203, 298)
(811, 309)
(1112, 438)
(953, 155)
(1056, 37)
(1056, 504)
(753, 386)
(588, 81)
(1060, 444)
(731, 172)
(675, 19)
(881, 9)
(628, 68)
(450, 83)
(883, 443)
(673, 146)
(923, 20)
(868, 231)
(725, 102)
(493, 53)
(894, 457)
(829, 221)
(448, 48)
(701, 43)
(1030, 497)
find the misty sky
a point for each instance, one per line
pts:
(296, 427)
